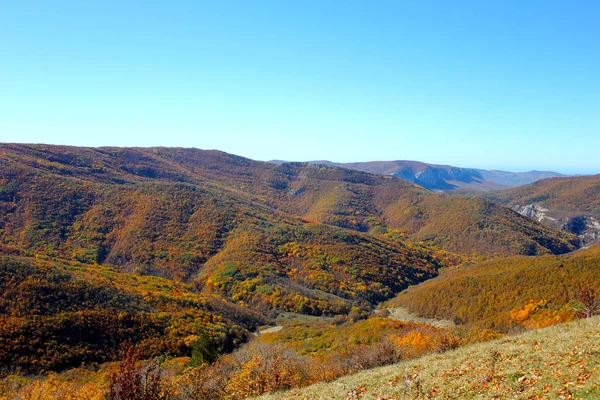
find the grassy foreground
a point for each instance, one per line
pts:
(560, 362)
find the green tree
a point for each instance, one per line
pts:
(205, 349)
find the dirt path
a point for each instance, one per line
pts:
(271, 329)
(402, 314)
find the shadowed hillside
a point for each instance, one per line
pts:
(56, 315)
(96, 203)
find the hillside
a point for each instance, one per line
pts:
(383, 204)
(58, 315)
(509, 293)
(448, 178)
(225, 241)
(66, 200)
(557, 362)
(571, 204)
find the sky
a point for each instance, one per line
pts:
(511, 85)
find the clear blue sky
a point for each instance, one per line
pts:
(494, 84)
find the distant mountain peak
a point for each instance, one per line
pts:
(438, 177)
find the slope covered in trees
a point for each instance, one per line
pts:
(226, 243)
(575, 194)
(58, 315)
(509, 293)
(93, 203)
(571, 204)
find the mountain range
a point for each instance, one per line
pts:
(444, 177)
(69, 202)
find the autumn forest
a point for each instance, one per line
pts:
(176, 273)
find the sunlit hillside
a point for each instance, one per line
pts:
(126, 254)
(508, 293)
(71, 201)
(560, 362)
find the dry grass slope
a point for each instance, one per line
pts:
(560, 362)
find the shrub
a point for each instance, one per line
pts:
(589, 303)
(133, 382)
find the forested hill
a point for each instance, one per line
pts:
(577, 193)
(186, 224)
(514, 291)
(571, 204)
(55, 315)
(81, 183)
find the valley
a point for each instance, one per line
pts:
(150, 251)
(256, 276)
